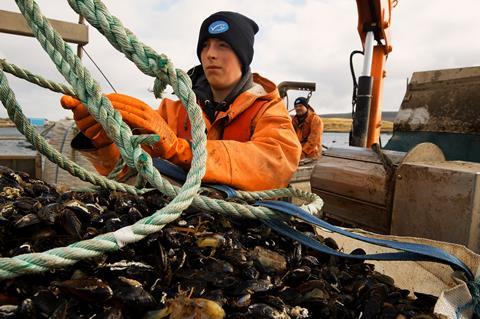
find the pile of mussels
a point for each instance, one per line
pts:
(203, 265)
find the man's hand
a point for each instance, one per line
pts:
(85, 122)
(141, 118)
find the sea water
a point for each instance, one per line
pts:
(336, 139)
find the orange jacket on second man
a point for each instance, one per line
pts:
(309, 132)
(251, 146)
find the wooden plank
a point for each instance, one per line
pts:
(38, 166)
(27, 165)
(9, 157)
(14, 23)
(357, 213)
(359, 180)
(303, 173)
(16, 148)
(363, 154)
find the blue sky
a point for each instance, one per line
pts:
(304, 40)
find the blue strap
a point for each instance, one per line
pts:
(178, 174)
(227, 190)
(169, 169)
(290, 232)
(417, 251)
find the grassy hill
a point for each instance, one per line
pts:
(342, 122)
(331, 124)
(386, 116)
(344, 125)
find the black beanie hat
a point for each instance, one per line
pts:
(301, 100)
(235, 29)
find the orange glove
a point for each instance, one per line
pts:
(141, 118)
(85, 122)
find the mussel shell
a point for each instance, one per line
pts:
(40, 189)
(298, 274)
(45, 302)
(87, 289)
(27, 309)
(251, 286)
(27, 220)
(8, 311)
(8, 178)
(261, 310)
(26, 205)
(374, 303)
(132, 294)
(51, 212)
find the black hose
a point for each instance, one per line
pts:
(355, 88)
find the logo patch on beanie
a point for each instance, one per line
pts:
(300, 101)
(218, 26)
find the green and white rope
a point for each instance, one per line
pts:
(86, 89)
(36, 79)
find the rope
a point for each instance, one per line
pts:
(99, 106)
(87, 90)
(36, 79)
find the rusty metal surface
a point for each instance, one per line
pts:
(438, 200)
(442, 101)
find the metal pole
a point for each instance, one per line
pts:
(368, 54)
(364, 97)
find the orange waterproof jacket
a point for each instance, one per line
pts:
(251, 146)
(309, 133)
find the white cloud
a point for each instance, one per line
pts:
(298, 41)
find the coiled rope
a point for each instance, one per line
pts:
(84, 87)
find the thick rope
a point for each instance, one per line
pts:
(99, 106)
(36, 79)
(88, 92)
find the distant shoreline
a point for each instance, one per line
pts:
(341, 125)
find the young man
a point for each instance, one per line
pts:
(308, 127)
(251, 142)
